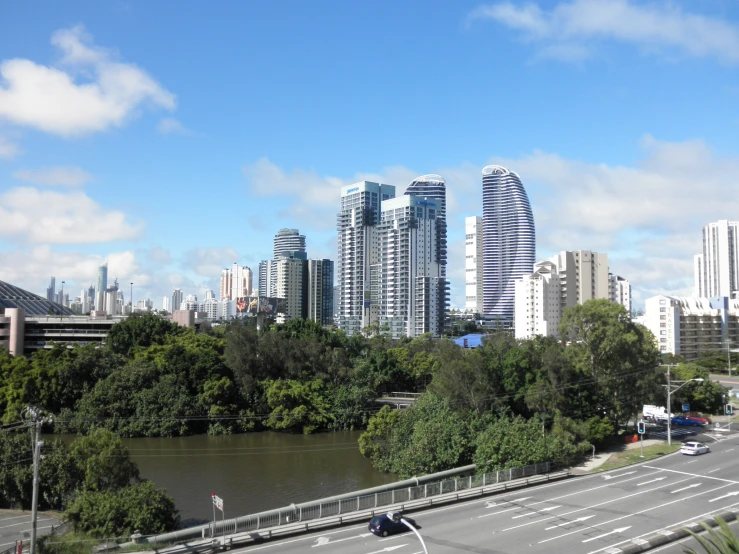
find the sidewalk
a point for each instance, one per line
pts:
(602, 457)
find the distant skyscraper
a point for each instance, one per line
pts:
(177, 298)
(359, 251)
(291, 284)
(267, 278)
(321, 291)
(473, 264)
(165, 303)
(101, 287)
(51, 290)
(433, 187)
(236, 282)
(717, 267)
(289, 243)
(509, 241)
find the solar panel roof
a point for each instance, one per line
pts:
(33, 304)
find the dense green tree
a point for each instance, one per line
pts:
(138, 508)
(140, 331)
(298, 406)
(100, 462)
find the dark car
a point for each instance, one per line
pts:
(683, 420)
(384, 525)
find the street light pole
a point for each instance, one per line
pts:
(420, 538)
(670, 390)
(131, 298)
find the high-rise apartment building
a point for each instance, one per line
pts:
(289, 243)
(165, 304)
(433, 187)
(567, 279)
(321, 291)
(473, 264)
(509, 242)
(177, 298)
(358, 251)
(407, 282)
(717, 267)
(291, 284)
(236, 282)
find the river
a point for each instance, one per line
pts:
(254, 471)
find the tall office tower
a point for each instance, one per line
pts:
(289, 243)
(584, 276)
(620, 291)
(408, 283)
(291, 284)
(225, 288)
(321, 291)
(177, 298)
(165, 303)
(508, 242)
(110, 300)
(433, 187)
(51, 290)
(359, 250)
(267, 278)
(101, 287)
(473, 264)
(244, 281)
(717, 267)
(91, 296)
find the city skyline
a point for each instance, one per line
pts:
(617, 151)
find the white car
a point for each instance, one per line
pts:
(694, 448)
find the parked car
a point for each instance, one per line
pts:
(385, 525)
(683, 420)
(694, 448)
(704, 420)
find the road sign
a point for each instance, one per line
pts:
(686, 407)
(217, 501)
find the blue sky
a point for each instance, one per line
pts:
(175, 138)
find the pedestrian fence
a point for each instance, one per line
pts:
(348, 504)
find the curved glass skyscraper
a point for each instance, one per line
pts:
(509, 241)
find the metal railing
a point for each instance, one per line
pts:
(335, 507)
(402, 395)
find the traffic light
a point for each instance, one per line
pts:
(729, 409)
(641, 427)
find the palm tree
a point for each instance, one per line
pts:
(716, 541)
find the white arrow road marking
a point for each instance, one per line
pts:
(491, 504)
(607, 477)
(686, 488)
(652, 481)
(724, 496)
(537, 511)
(321, 541)
(568, 523)
(615, 531)
(389, 549)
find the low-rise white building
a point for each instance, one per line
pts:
(538, 302)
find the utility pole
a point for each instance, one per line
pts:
(33, 415)
(670, 390)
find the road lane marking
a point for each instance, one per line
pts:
(590, 507)
(493, 504)
(389, 549)
(695, 475)
(615, 531)
(691, 462)
(724, 496)
(652, 481)
(548, 509)
(636, 513)
(568, 522)
(686, 488)
(23, 523)
(607, 477)
(322, 541)
(566, 495)
(713, 470)
(729, 450)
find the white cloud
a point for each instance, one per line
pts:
(51, 217)
(56, 101)
(570, 25)
(208, 262)
(8, 150)
(171, 126)
(53, 176)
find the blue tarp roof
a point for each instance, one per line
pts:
(473, 341)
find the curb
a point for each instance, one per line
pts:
(665, 536)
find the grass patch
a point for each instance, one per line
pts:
(633, 456)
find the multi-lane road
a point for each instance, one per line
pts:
(581, 515)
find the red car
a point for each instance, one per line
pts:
(703, 420)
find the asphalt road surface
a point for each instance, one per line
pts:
(16, 526)
(581, 515)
